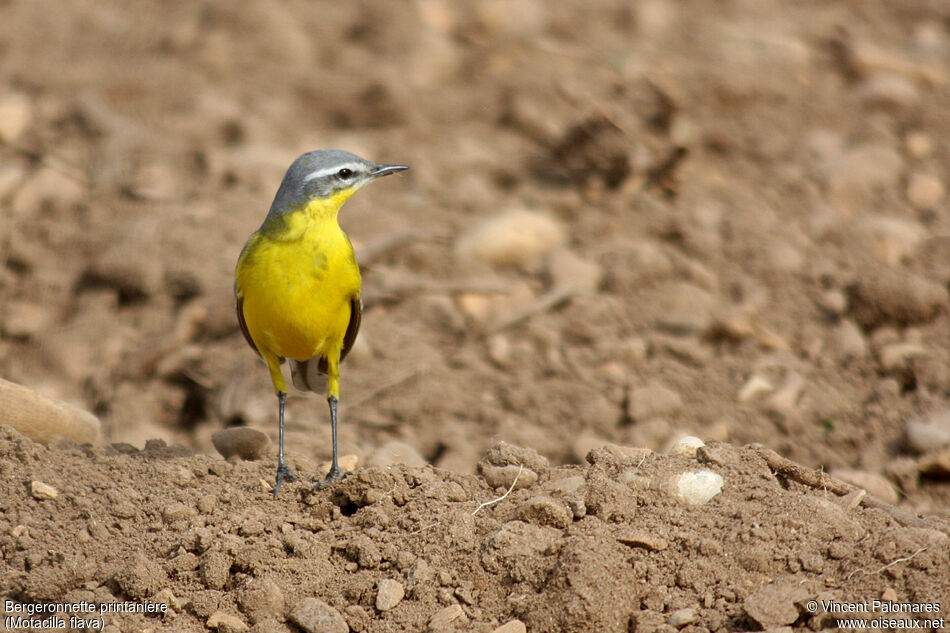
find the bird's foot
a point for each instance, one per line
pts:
(283, 473)
(332, 477)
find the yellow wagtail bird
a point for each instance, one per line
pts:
(297, 282)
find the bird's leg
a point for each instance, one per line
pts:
(283, 472)
(334, 475)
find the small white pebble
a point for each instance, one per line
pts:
(687, 445)
(930, 434)
(697, 488)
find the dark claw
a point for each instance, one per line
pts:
(332, 477)
(283, 472)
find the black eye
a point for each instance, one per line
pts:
(345, 174)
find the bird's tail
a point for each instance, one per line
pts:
(309, 375)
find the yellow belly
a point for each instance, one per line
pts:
(296, 293)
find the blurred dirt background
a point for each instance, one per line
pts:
(625, 222)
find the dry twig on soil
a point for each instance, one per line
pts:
(820, 480)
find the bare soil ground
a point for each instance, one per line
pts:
(625, 222)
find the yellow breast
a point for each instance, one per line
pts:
(296, 284)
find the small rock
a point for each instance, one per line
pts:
(713, 456)
(774, 604)
(682, 617)
(875, 484)
(567, 485)
(892, 239)
(512, 626)
(935, 464)
(931, 434)
(478, 307)
(15, 116)
(755, 388)
(687, 445)
(567, 270)
(166, 597)
(43, 419)
(347, 464)
(647, 620)
(395, 452)
(888, 91)
(316, 616)
(41, 490)
(25, 319)
(833, 302)
(177, 512)
(543, 510)
(918, 145)
(896, 355)
(847, 342)
(925, 191)
(867, 57)
(242, 441)
(690, 350)
(389, 594)
(685, 309)
(512, 238)
(785, 399)
(697, 488)
(578, 508)
(505, 476)
(886, 297)
(225, 623)
(652, 401)
(261, 598)
(444, 617)
(644, 539)
(499, 349)
(503, 454)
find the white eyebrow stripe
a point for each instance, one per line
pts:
(326, 171)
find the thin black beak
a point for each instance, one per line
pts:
(385, 170)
